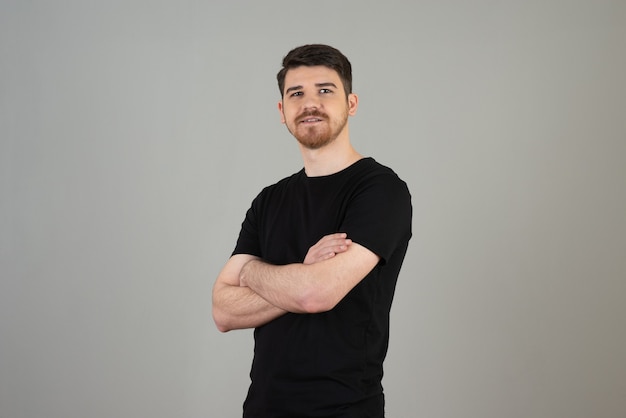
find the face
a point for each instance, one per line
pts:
(314, 106)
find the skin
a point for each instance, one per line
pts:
(307, 89)
(249, 292)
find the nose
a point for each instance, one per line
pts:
(311, 103)
(309, 109)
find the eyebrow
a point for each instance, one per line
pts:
(318, 85)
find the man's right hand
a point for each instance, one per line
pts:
(327, 247)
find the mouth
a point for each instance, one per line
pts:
(310, 120)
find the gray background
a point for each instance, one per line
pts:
(134, 135)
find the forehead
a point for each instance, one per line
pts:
(304, 75)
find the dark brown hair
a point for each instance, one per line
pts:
(317, 54)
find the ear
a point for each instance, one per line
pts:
(353, 104)
(280, 110)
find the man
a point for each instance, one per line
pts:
(315, 266)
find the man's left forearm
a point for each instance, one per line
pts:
(282, 286)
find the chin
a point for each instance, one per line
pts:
(314, 144)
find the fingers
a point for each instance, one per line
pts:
(327, 247)
(339, 236)
(334, 243)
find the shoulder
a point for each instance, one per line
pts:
(372, 173)
(369, 166)
(282, 185)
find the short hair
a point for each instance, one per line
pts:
(317, 54)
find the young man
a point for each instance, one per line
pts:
(315, 266)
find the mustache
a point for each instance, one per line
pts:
(309, 113)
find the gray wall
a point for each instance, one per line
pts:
(134, 135)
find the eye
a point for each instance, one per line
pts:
(325, 91)
(296, 93)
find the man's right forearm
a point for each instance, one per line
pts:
(236, 307)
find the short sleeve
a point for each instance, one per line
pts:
(248, 240)
(379, 215)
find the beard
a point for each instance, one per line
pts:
(321, 134)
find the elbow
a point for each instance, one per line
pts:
(222, 328)
(221, 322)
(316, 302)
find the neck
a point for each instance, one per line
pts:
(329, 159)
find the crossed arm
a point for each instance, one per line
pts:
(249, 292)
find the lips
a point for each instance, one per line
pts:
(311, 118)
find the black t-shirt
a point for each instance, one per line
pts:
(327, 364)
